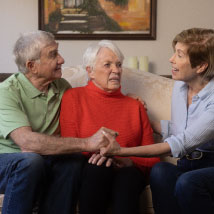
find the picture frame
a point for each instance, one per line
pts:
(99, 19)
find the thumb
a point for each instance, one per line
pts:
(110, 137)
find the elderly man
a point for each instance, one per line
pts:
(34, 161)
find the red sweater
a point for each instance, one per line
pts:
(84, 110)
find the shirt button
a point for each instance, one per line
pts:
(195, 98)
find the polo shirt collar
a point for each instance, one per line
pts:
(33, 92)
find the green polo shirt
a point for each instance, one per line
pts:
(21, 104)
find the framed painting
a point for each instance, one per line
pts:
(99, 19)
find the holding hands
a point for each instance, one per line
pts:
(101, 139)
(110, 147)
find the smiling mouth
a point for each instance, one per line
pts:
(174, 70)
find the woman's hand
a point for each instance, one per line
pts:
(117, 162)
(134, 96)
(122, 162)
(99, 160)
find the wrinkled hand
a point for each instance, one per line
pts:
(122, 162)
(99, 139)
(99, 160)
(113, 148)
(134, 96)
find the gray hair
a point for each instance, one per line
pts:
(89, 57)
(28, 47)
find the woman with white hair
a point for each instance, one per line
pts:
(101, 103)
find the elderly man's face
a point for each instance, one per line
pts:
(49, 65)
(107, 70)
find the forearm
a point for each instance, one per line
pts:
(48, 145)
(43, 144)
(154, 150)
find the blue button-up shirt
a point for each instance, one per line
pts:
(190, 127)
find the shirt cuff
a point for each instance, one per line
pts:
(176, 146)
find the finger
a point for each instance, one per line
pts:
(90, 160)
(145, 105)
(109, 162)
(101, 161)
(110, 131)
(109, 136)
(141, 100)
(95, 160)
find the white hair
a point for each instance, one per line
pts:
(89, 57)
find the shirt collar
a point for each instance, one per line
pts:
(33, 92)
(206, 91)
(183, 87)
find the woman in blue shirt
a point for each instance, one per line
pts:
(189, 186)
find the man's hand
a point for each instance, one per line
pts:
(99, 139)
(134, 96)
(99, 160)
(112, 148)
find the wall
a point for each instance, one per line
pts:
(18, 16)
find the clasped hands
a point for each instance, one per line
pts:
(105, 147)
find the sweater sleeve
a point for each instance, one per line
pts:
(67, 121)
(145, 164)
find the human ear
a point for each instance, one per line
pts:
(202, 67)
(90, 71)
(31, 66)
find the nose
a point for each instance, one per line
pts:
(116, 69)
(172, 58)
(60, 59)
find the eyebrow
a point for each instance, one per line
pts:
(181, 51)
(52, 52)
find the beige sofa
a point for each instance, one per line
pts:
(155, 90)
